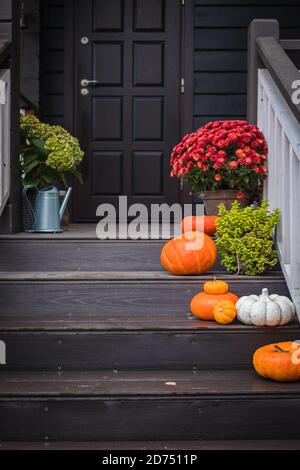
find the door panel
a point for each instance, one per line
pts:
(129, 120)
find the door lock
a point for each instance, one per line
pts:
(84, 40)
(84, 91)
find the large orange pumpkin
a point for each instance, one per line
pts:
(200, 223)
(278, 361)
(190, 253)
(203, 304)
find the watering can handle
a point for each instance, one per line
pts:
(27, 199)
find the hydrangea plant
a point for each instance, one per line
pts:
(244, 238)
(48, 153)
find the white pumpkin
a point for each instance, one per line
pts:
(265, 310)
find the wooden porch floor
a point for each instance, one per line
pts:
(88, 232)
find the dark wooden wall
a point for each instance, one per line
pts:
(5, 19)
(52, 61)
(220, 43)
(30, 51)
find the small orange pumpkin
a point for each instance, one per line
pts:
(224, 312)
(200, 223)
(215, 287)
(203, 304)
(190, 253)
(278, 361)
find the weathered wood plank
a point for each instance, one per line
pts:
(52, 61)
(220, 61)
(86, 276)
(215, 38)
(86, 255)
(87, 231)
(141, 383)
(6, 10)
(214, 83)
(52, 39)
(282, 444)
(139, 349)
(146, 419)
(52, 15)
(187, 322)
(109, 298)
(221, 104)
(53, 82)
(220, 38)
(231, 16)
(54, 104)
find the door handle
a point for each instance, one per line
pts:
(85, 82)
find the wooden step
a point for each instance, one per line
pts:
(200, 445)
(63, 255)
(87, 343)
(114, 295)
(159, 405)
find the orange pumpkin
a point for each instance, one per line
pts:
(190, 253)
(215, 287)
(278, 361)
(224, 312)
(200, 223)
(203, 304)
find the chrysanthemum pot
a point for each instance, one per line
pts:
(212, 200)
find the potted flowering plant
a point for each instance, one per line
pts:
(222, 161)
(49, 156)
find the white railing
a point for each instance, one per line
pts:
(282, 188)
(4, 137)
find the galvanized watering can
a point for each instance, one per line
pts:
(47, 212)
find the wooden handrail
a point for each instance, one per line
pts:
(282, 69)
(272, 80)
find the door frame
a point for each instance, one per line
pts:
(186, 68)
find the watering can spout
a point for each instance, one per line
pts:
(64, 203)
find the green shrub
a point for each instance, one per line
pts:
(244, 238)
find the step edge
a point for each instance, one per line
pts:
(203, 330)
(238, 444)
(150, 397)
(141, 276)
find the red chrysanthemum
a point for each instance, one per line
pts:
(233, 149)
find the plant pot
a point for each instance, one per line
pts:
(212, 200)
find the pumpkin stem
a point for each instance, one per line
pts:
(279, 349)
(265, 292)
(215, 278)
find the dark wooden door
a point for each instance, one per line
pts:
(129, 119)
